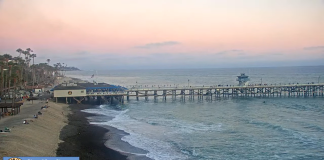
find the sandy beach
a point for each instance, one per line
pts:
(38, 138)
(81, 139)
(61, 131)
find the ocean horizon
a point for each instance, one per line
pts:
(224, 128)
(180, 68)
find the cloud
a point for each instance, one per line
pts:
(87, 60)
(314, 48)
(277, 54)
(231, 51)
(82, 53)
(159, 44)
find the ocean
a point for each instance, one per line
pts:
(225, 128)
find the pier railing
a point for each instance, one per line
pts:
(218, 87)
(251, 90)
(208, 92)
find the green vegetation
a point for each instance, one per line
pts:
(19, 73)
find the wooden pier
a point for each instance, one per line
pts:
(234, 91)
(293, 90)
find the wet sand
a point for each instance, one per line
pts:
(61, 131)
(84, 140)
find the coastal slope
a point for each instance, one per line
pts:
(38, 138)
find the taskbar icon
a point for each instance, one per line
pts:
(41, 158)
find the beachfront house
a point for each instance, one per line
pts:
(69, 90)
(77, 92)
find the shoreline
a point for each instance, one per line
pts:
(107, 140)
(115, 135)
(63, 130)
(91, 141)
(81, 139)
(43, 136)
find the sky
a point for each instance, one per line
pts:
(165, 34)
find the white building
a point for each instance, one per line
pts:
(69, 91)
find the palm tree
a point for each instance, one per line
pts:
(27, 60)
(19, 67)
(33, 56)
(29, 50)
(19, 50)
(25, 68)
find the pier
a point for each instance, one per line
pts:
(100, 93)
(231, 91)
(210, 92)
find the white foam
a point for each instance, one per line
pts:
(158, 150)
(179, 126)
(153, 138)
(141, 135)
(103, 111)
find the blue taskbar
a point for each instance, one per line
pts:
(41, 158)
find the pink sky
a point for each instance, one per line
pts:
(197, 29)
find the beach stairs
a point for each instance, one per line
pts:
(79, 101)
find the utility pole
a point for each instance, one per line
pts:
(188, 82)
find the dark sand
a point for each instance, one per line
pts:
(84, 140)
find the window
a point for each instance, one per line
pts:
(82, 91)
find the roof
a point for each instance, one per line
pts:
(60, 87)
(98, 85)
(88, 86)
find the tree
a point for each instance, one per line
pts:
(33, 56)
(14, 69)
(27, 61)
(7, 56)
(19, 50)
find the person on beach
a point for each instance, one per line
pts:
(25, 122)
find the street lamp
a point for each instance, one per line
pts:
(188, 82)
(261, 81)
